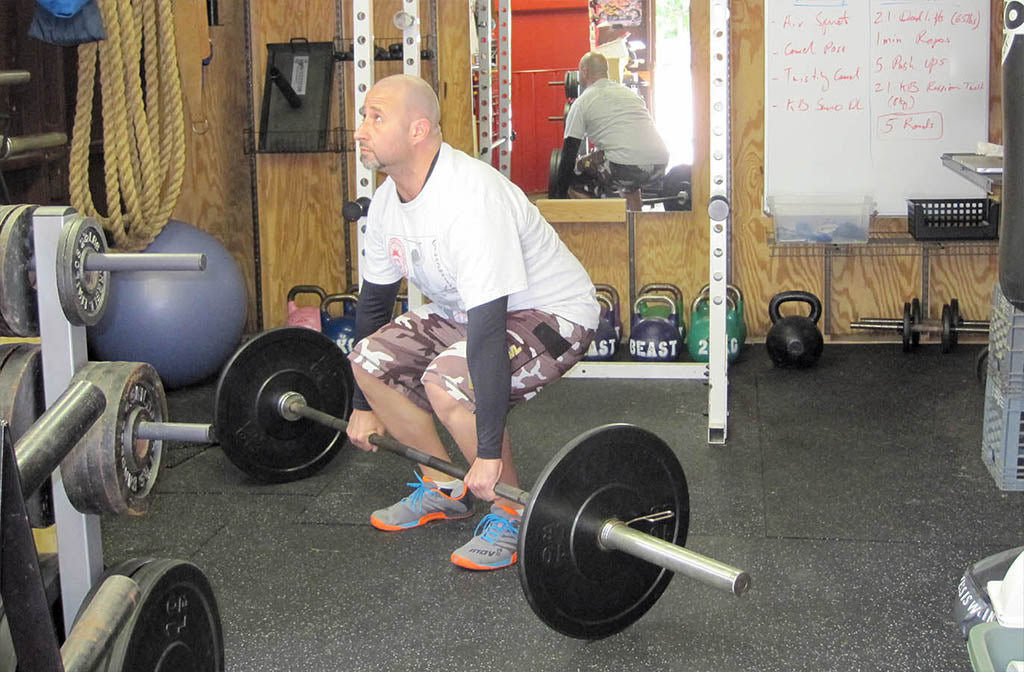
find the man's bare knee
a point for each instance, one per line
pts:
(444, 405)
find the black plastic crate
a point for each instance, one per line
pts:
(953, 219)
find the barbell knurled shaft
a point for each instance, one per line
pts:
(394, 446)
(616, 535)
(125, 261)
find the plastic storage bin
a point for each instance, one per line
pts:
(953, 219)
(992, 647)
(821, 218)
(1006, 345)
(1002, 443)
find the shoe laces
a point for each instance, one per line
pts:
(494, 526)
(420, 488)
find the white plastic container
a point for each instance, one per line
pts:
(821, 218)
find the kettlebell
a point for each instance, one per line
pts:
(655, 309)
(606, 338)
(342, 328)
(616, 308)
(794, 341)
(349, 307)
(700, 327)
(654, 338)
(735, 325)
(305, 316)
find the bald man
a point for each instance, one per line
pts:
(512, 310)
(629, 154)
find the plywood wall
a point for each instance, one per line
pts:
(216, 194)
(301, 231)
(302, 235)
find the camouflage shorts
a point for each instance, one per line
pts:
(610, 178)
(422, 346)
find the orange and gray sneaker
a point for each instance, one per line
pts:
(427, 502)
(494, 544)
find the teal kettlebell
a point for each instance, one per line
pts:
(700, 324)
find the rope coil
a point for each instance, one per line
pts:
(143, 138)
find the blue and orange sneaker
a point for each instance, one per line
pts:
(427, 502)
(495, 542)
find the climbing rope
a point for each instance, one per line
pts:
(143, 129)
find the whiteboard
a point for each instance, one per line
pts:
(862, 97)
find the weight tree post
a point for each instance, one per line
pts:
(79, 540)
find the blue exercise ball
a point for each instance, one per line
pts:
(184, 323)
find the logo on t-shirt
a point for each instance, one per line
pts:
(397, 251)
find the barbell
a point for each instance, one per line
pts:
(601, 534)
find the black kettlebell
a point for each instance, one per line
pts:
(794, 340)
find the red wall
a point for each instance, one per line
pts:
(548, 38)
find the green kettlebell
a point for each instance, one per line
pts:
(700, 325)
(735, 325)
(662, 309)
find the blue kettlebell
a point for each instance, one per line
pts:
(349, 308)
(654, 338)
(676, 294)
(612, 295)
(342, 328)
(606, 338)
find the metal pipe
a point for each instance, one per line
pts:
(11, 77)
(100, 623)
(124, 261)
(616, 535)
(45, 444)
(613, 534)
(14, 145)
(199, 433)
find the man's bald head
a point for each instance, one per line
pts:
(418, 99)
(593, 66)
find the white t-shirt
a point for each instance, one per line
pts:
(615, 119)
(471, 236)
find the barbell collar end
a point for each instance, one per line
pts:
(616, 535)
(288, 404)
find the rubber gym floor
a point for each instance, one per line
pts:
(853, 493)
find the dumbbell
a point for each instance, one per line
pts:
(912, 325)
